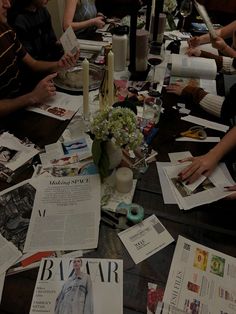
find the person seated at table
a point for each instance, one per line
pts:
(228, 31)
(205, 164)
(222, 107)
(32, 23)
(223, 63)
(13, 94)
(82, 16)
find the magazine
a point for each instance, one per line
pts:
(62, 106)
(201, 280)
(192, 68)
(91, 286)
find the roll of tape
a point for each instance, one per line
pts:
(135, 213)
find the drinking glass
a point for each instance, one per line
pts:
(185, 10)
(155, 57)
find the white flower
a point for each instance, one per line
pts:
(169, 6)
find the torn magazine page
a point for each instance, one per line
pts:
(62, 106)
(66, 214)
(14, 152)
(210, 190)
(8, 254)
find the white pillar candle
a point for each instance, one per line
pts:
(110, 78)
(124, 179)
(142, 37)
(85, 71)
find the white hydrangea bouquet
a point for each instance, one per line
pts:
(169, 6)
(118, 125)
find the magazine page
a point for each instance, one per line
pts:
(14, 152)
(2, 279)
(164, 308)
(62, 106)
(206, 190)
(206, 47)
(201, 280)
(8, 254)
(196, 67)
(16, 205)
(66, 214)
(89, 286)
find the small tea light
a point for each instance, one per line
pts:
(124, 180)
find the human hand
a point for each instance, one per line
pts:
(193, 52)
(218, 43)
(201, 165)
(176, 88)
(233, 195)
(68, 59)
(99, 21)
(44, 90)
(194, 41)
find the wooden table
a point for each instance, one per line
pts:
(212, 225)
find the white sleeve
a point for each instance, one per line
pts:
(212, 104)
(228, 65)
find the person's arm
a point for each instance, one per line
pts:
(69, 12)
(67, 60)
(213, 104)
(224, 32)
(222, 46)
(205, 164)
(42, 92)
(227, 31)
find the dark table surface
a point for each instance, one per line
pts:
(212, 225)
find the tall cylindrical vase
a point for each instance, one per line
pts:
(114, 154)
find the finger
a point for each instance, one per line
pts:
(186, 159)
(186, 173)
(231, 188)
(50, 77)
(231, 196)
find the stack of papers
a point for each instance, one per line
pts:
(203, 191)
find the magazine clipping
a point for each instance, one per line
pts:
(201, 280)
(79, 286)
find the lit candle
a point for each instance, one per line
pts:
(110, 78)
(124, 179)
(85, 71)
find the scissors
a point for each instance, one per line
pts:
(196, 132)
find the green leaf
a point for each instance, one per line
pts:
(104, 165)
(97, 151)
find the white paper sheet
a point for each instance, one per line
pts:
(69, 41)
(209, 139)
(207, 123)
(145, 239)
